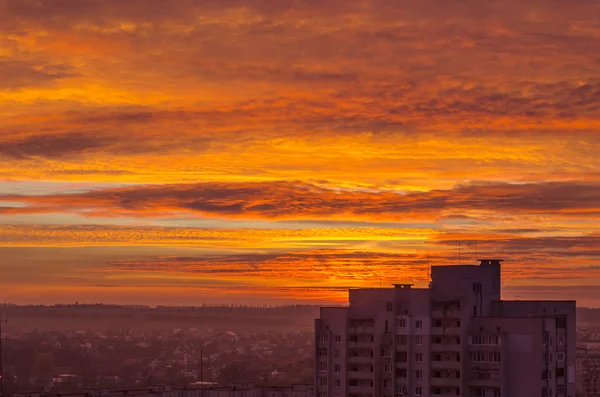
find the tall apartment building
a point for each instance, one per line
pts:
(455, 338)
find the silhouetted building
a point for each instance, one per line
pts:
(455, 338)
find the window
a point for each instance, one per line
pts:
(401, 389)
(419, 324)
(419, 374)
(437, 323)
(338, 383)
(322, 367)
(338, 338)
(400, 323)
(493, 357)
(386, 353)
(337, 368)
(323, 381)
(560, 372)
(388, 367)
(323, 338)
(496, 392)
(336, 353)
(561, 341)
(419, 391)
(387, 383)
(389, 306)
(560, 356)
(322, 352)
(418, 357)
(322, 394)
(419, 340)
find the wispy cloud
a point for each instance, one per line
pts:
(296, 200)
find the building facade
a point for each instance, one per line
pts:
(455, 338)
(588, 372)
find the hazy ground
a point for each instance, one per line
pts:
(24, 318)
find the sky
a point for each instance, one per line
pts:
(276, 152)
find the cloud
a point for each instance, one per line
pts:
(74, 145)
(18, 73)
(316, 266)
(340, 267)
(296, 200)
(52, 146)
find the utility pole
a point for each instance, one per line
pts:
(201, 373)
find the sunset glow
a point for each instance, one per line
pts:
(245, 151)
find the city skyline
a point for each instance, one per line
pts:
(249, 151)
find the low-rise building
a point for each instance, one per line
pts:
(234, 390)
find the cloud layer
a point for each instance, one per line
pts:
(291, 200)
(330, 137)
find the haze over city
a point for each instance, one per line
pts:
(277, 152)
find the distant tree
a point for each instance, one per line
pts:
(231, 373)
(43, 364)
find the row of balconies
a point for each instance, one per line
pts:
(442, 365)
(361, 330)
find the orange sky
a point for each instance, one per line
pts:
(268, 151)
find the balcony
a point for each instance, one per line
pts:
(401, 364)
(360, 375)
(360, 360)
(451, 331)
(445, 382)
(446, 347)
(446, 393)
(487, 383)
(361, 330)
(450, 313)
(447, 364)
(366, 344)
(368, 390)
